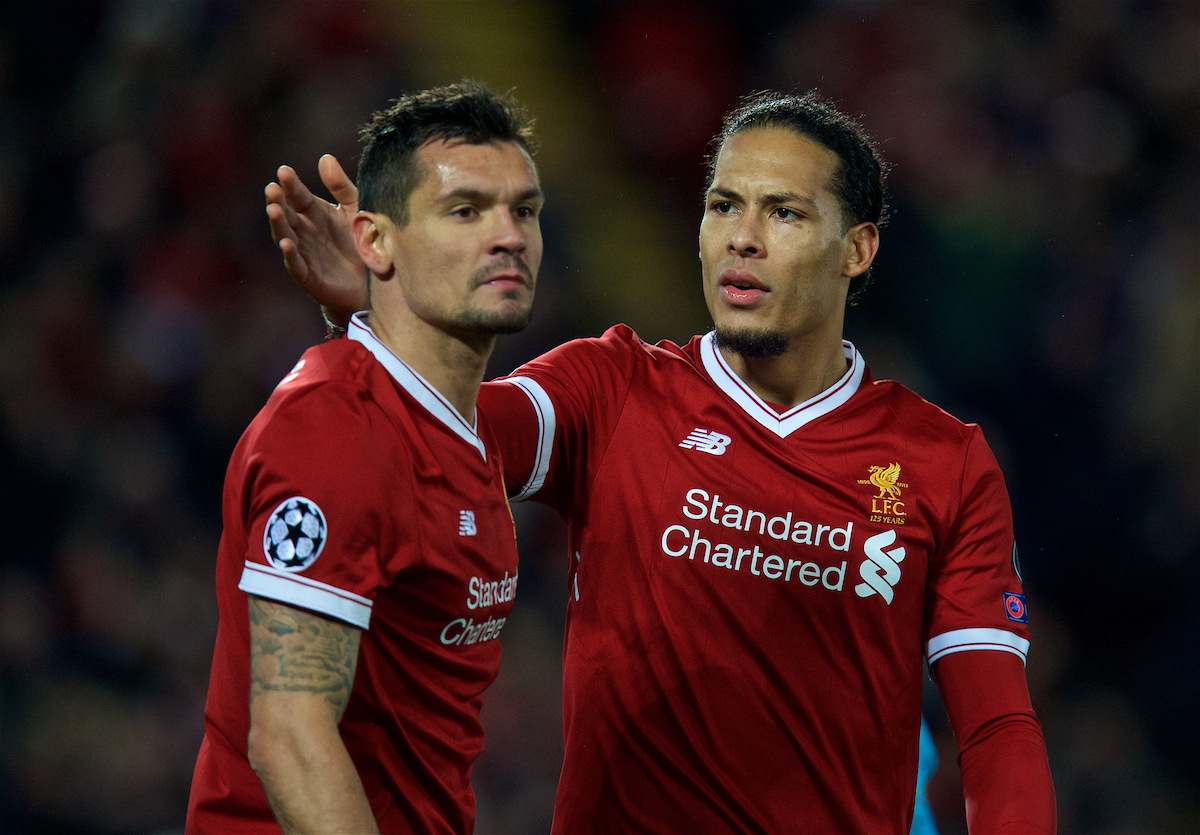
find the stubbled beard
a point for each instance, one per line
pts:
(495, 322)
(499, 321)
(752, 344)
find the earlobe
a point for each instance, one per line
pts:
(370, 239)
(861, 245)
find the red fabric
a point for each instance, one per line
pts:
(1002, 754)
(748, 609)
(419, 534)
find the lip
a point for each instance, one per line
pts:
(741, 278)
(741, 289)
(508, 276)
(505, 280)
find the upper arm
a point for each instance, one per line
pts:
(301, 667)
(551, 414)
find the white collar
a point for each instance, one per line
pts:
(785, 423)
(415, 384)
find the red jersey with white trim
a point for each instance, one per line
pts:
(753, 591)
(360, 494)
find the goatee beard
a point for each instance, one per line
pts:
(752, 344)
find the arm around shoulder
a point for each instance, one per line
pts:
(1002, 753)
(301, 674)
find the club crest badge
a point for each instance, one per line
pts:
(295, 535)
(887, 506)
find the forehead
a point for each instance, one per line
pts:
(494, 167)
(773, 160)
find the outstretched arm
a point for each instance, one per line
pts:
(314, 236)
(1002, 754)
(301, 673)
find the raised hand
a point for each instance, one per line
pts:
(314, 236)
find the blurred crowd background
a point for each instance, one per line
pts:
(1040, 276)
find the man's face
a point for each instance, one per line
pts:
(776, 257)
(468, 258)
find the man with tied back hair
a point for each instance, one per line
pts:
(767, 545)
(368, 560)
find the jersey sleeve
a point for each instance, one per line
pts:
(316, 530)
(976, 600)
(1002, 751)
(560, 407)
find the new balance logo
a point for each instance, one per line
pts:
(713, 443)
(466, 523)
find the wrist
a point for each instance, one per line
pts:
(334, 329)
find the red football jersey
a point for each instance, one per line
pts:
(753, 592)
(359, 493)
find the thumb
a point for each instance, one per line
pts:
(340, 186)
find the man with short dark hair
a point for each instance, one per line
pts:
(766, 543)
(368, 560)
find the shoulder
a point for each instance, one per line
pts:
(620, 345)
(325, 402)
(916, 414)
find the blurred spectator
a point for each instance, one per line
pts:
(1044, 258)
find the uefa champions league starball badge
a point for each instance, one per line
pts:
(295, 534)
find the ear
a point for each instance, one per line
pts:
(370, 231)
(862, 242)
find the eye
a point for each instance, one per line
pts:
(525, 212)
(465, 212)
(784, 213)
(721, 207)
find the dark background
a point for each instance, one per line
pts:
(1041, 276)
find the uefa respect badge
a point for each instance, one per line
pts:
(295, 534)
(1014, 607)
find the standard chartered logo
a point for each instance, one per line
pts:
(880, 571)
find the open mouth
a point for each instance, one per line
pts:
(741, 289)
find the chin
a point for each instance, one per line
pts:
(497, 321)
(752, 343)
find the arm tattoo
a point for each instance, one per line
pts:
(297, 651)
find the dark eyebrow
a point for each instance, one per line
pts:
(727, 193)
(477, 196)
(789, 197)
(780, 197)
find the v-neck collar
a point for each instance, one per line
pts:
(758, 410)
(416, 385)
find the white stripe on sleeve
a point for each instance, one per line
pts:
(961, 640)
(286, 587)
(546, 426)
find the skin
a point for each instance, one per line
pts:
(462, 269)
(301, 672)
(795, 256)
(441, 287)
(777, 257)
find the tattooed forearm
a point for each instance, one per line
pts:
(294, 650)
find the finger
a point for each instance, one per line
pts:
(281, 226)
(296, 194)
(336, 180)
(294, 263)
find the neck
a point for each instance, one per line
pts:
(451, 362)
(798, 374)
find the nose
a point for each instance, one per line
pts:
(507, 235)
(746, 239)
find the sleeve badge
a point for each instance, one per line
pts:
(1014, 607)
(295, 535)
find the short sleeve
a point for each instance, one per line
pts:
(315, 471)
(561, 407)
(976, 599)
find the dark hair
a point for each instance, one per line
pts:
(857, 181)
(388, 170)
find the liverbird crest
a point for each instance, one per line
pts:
(886, 479)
